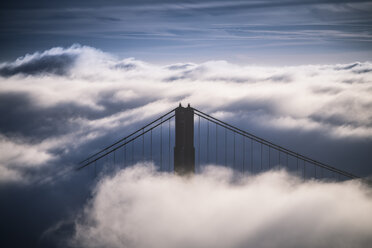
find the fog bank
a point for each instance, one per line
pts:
(140, 207)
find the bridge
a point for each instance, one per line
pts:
(185, 139)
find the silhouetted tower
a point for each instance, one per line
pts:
(184, 151)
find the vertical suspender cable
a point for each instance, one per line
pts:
(169, 144)
(269, 157)
(243, 154)
(125, 155)
(225, 147)
(251, 155)
(151, 144)
(234, 152)
(261, 155)
(107, 161)
(216, 141)
(143, 144)
(207, 142)
(199, 141)
(287, 160)
(132, 152)
(297, 163)
(161, 144)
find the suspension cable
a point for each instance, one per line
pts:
(123, 144)
(125, 138)
(279, 148)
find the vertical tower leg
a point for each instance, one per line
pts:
(184, 151)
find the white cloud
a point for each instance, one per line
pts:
(18, 152)
(16, 156)
(298, 92)
(139, 207)
(102, 94)
(9, 175)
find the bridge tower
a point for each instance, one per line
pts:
(184, 151)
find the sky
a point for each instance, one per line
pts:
(264, 32)
(77, 75)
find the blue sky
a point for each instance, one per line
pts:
(254, 32)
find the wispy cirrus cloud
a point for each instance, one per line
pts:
(297, 31)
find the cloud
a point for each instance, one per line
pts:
(76, 98)
(10, 175)
(16, 152)
(18, 156)
(140, 207)
(54, 61)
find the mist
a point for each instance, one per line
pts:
(79, 97)
(141, 207)
(62, 104)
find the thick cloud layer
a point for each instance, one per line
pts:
(139, 207)
(67, 98)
